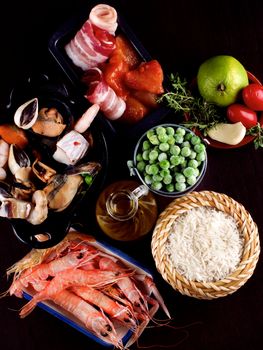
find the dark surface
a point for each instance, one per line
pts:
(181, 35)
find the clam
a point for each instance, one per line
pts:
(49, 122)
(43, 171)
(26, 115)
(61, 190)
(11, 207)
(17, 159)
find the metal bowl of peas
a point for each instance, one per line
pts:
(170, 160)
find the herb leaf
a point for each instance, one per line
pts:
(256, 131)
(203, 115)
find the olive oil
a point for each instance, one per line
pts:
(125, 212)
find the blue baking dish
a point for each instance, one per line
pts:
(56, 311)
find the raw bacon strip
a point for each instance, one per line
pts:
(104, 17)
(101, 93)
(90, 46)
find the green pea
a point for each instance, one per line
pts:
(170, 188)
(139, 157)
(153, 168)
(175, 150)
(88, 179)
(180, 178)
(160, 130)
(163, 138)
(141, 166)
(193, 163)
(162, 156)
(180, 186)
(170, 130)
(182, 159)
(164, 146)
(150, 133)
(171, 140)
(153, 155)
(188, 136)
(167, 179)
(191, 180)
(185, 152)
(145, 155)
(154, 140)
(195, 140)
(179, 138)
(199, 148)
(180, 131)
(164, 172)
(157, 178)
(146, 145)
(189, 171)
(201, 156)
(175, 160)
(156, 186)
(197, 172)
(148, 169)
(148, 179)
(192, 155)
(186, 144)
(164, 164)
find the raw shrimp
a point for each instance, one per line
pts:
(110, 306)
(127, 286)
(4, 152)
(2, 174)
(42, 271)
(87, 118)
(69, 278)
(94, 320)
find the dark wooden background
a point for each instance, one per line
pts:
(181, 35)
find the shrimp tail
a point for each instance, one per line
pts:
(28, 308)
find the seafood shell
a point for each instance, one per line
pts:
(17, 159)
(26, 115)
(13, 208)
(42, 171)
(61, 190)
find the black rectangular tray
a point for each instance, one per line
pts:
(68, 30)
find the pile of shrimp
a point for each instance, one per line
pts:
(99, 289)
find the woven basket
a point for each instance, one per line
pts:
(206, 290)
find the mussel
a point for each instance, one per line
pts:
(17, 159)
(26, 115)
(11, 207)
(43, 171)
(49, 122)
(61, 190)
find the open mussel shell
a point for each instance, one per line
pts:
(26, 115)
(17, 159)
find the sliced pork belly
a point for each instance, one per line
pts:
(101, 93)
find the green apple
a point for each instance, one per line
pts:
(220, 79)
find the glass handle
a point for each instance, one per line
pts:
(140, 191)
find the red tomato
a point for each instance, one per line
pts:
(253, 96)
(240, 113)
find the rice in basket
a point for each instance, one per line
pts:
(205, 244)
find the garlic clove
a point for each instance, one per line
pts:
(231, 134)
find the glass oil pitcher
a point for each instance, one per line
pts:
(126, 210)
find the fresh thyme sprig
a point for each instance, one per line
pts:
(257, 131)
(202, 114)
